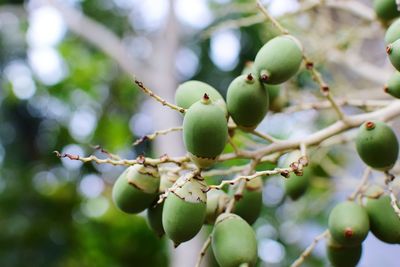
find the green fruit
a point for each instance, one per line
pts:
(377, 145)
(184, 210)
(385, 224)
(247, 101)
(216, 203)
(205, 132)
(249, 205)
(386, 9)
(279, 59)
(348, 223)
(136, 188)
(296, 186)
(393, 85)
(393, 32)
(154, 217)
(393, 50)
(233, 241)
(190, 92)
(341, 256)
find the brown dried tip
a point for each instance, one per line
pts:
(389, 48)
(141, 159)
(205, 96)
(325, 88)
(238, 197)
(369, 125)
(348, 232)
(249, 77)
(264, 78)
(309, 65)
(386, 88)
(285, 174)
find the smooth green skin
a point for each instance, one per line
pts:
(386, 9)
(154, 217)
(296, 186)
(393, 51)
(205, 130)
(233, 241)
(281, 57)
(249, 206)
(377, 147)
(385, 224)
(216, 201)
(182, 220)
(340, 256)
(393, 32)
(247, 101)
(131, 199)
(393, 85)
(190, 92)
(345, 216)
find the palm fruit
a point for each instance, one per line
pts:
(248, 68)
(184, 209)
(249, 205)
(136, 188)
(233, 241)
(393, 85)
(247, 101)
(190, 92)
(154, 217)
(393, 32)
(216, 202)
(348, 223)
(342, 256)
(167, 179)
(393, 50)
(296, 186)
(385, 224)
(279, 59)
(205, 132)
(377, 145)
(386, 9)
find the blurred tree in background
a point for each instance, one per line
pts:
(66, 84)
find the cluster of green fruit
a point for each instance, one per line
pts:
(189, 203)
(349, 224)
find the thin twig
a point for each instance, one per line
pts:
(203, 251)
(155, 134)
(360, 187)
(110, 155)
(271, 19)
(158, 98)
(393, 200)
(264, 136)
(309, 249)
(126, 162)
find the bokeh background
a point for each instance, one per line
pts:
(67, 72)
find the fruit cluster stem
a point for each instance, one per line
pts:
(309, 249)
(155, 134)
(203, 250)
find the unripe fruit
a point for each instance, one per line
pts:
(154, 217)
(248, 68)
(136, 188)
(249, 205)
(216, 203)
(341, 256)
(190, 92)
(393, 85)
(385, 223)
(233, 241)
(279, 59)
(184, 209)
(377, 145)
(348, 223)
(247, 101)
(393, 50)
(386, 9)
(393, 32)
(205, 132)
